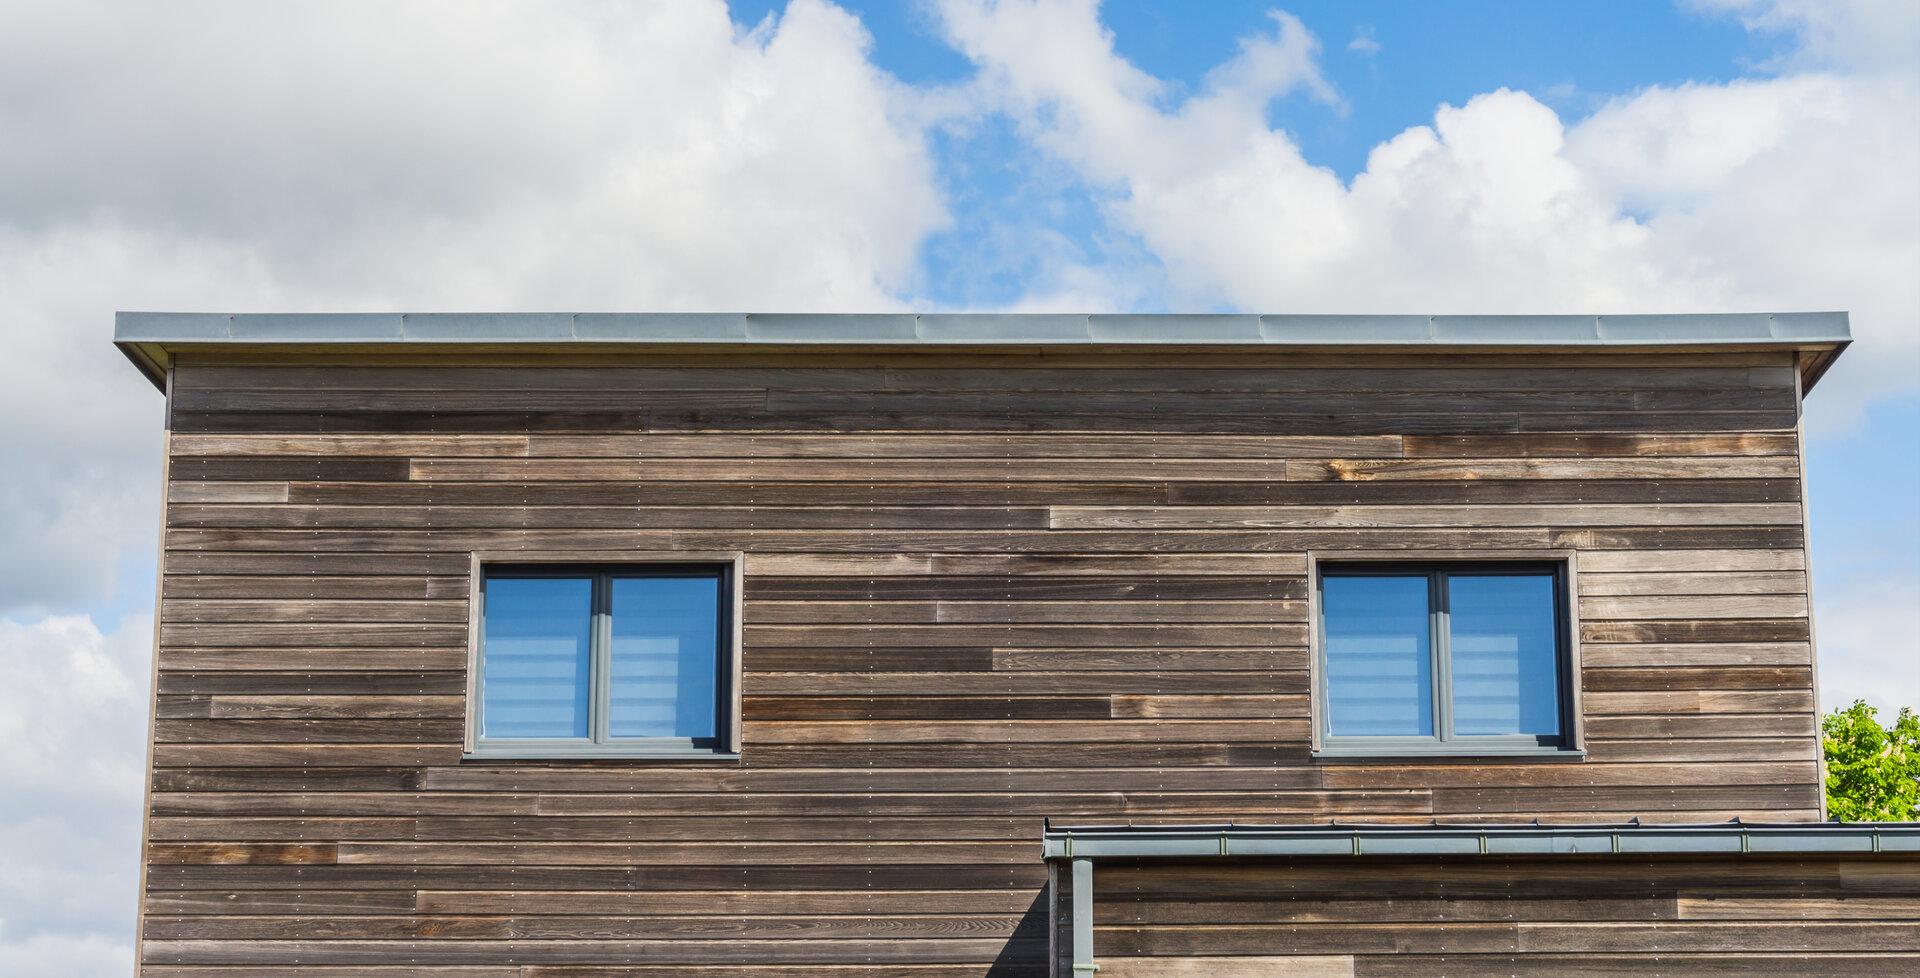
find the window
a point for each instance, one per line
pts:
(1465, 658)
(606, 661)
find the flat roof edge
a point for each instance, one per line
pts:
(148, 337)
(1227, 841)
(935, 329)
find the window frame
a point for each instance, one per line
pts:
(1568, 745)
(603, 568)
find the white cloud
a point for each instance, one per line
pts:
(1870, 641)
(426, 156)
(69, 957)
(1793, 193)
(73, 724)
(1780, 193)
(1870, 33)
(1364, 43)
(483, 154)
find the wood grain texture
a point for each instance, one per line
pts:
(980, 590)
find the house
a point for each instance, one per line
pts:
(796, 646)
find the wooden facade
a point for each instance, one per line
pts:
(981, 588)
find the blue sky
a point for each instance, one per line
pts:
(1371, 156)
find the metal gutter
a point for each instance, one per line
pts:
(1631, 838)
(149, 338)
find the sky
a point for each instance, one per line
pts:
(1369, 156)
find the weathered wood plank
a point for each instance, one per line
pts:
(1378, 776)
(948, 566)
(1079, 682)
(1213, 707)
(334, 750)
(297, 610)
(1048, 470)
(719, 413)
(1589, 446)
(347, 707)
(1669, 560)
(1684, 701)
(295, 656)
(995, 543)
(500, 446)
(553, 781)
(1099, 635)
(1764, 630)
(1704, 904)
(1695, 606)
(302, 682)
(181, 587)
(1089, 612)
(1267, 517)
(1074, 589)
(579, 517)
(1692, 582)
(1716, 467)
(1599, 656)
(1000, 729)
(1718, 964)
(1698, 677)
(1247, 966)
(571, 952)
(1157, 660)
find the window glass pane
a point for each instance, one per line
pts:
(1506, 662)
(1379, 662)
(536, 660)
(666, 643)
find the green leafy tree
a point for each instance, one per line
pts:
(1873, 772)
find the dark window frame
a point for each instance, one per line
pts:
(599, 744)
(1444, 743)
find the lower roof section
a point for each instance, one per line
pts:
(151, 338)
(1629, 838)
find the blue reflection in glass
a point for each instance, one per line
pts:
(1506, 662)
(666, 644)
(1377, 636)
(537, 657)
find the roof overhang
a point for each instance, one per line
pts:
(1631, 838)
(151, 339)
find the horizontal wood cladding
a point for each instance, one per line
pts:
(979, 591)
(1584, 916)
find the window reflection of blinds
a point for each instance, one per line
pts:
(535, 674)
(1505, 654)
(1379, 656)
(665, 657)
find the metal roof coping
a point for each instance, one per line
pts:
(149, 337)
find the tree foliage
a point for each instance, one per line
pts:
(1873, 772)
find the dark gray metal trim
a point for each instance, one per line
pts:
(148, 337)
(600, 743)
(1632, 838)
(1444, 743)
(1083, 917)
